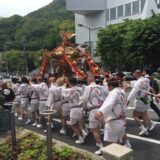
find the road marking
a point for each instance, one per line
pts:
(131, 119)
(129, 135)
(132, 108)
(58, 120)
(143, 138)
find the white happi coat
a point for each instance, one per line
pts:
(143, 84)
(54, 97)
(94, 95)
(114, 106)
(34, 103)
(73, 94)
(65, 92)
(114, 109)
(16, 93)
(34, 94)
(42, 91)
(25, 93)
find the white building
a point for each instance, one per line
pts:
(93, 14)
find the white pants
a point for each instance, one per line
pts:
(66, 109)
(140, 106)
(24, 103)
(42, 106)
(34, 105)
(57, 106)
(114, 131)
(76, 115)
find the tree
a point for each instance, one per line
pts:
(130, 45)
(16, 62)
(41, 28)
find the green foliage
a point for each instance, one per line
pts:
(31, 147)
(130, 45)
(8, 27)
(5, 151)
(63, 153)
(15, 59)
(35, 32)
(41, 28)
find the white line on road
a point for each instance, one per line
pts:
(132, 108)
(143, 138)
(129, 135)
(131, 119)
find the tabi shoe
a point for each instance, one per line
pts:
(87, 131)
(80, 140)
(153, 124)
(52, 126)
(34, 124)
(102, 132)
(99, 145)
(84, 134)
(39, 126)
(63, 131)
(74, 135)
(99, 152)
(16, 115)
(144, 131)
(20, 118)
(127, 144)
(28, 121)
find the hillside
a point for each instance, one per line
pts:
(39, 29)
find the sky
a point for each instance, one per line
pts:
(20, 7)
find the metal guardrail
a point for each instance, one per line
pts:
(12, 123)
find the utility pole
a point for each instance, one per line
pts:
(89, 31)
(23, 42)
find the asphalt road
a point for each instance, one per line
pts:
(145, 148)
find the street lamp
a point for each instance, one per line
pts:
(89, 30)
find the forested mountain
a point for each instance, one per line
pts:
(39, 29)
(8, 28)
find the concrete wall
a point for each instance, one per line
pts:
(150, 5)
(85, 6)
(92, 13)
(92, 21)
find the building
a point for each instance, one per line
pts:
(91, 15)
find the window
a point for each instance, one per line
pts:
(142, 4)
(128, 9)
(158, 3)
(113, 13)
(120, 11)
(135, 7)
(107, 14)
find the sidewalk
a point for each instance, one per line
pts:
(4, 137)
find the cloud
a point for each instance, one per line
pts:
(21, 7)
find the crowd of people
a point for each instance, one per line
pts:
(102, 103)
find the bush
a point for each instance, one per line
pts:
(31, 147)
(130, 45)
